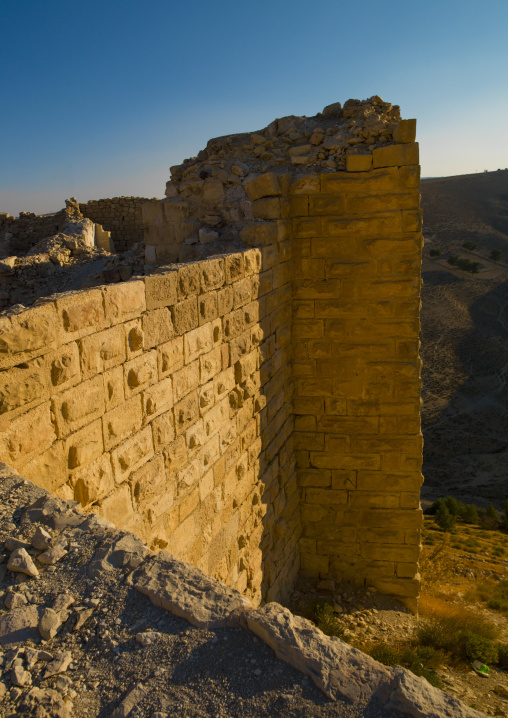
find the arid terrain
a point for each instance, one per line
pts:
(464, 338)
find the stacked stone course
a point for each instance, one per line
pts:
(165, 405)
(122, 216)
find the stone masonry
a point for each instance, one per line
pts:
(122, 216)
(255, 408)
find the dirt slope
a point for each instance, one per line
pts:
(465, 338)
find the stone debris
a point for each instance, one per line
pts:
(112, 622)
(15, 600)
(53, 555)
(21, 562)
(41, 539)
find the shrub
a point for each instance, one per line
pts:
(454, 507)
(469, 245)
(470, 514)
(435, 253)
(495, 255)
(478, 648)
(460, 632)
(445, 519)
(467, 266)
(420, 660)
(323, 616)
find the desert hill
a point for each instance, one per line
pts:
(464, 338)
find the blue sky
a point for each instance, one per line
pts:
(100, 98)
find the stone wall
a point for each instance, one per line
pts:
(19, 234)
(164, 404)
(119, 215)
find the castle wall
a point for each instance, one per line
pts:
(357, 248)
(164, 404)
(122, 216)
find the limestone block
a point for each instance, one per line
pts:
(299, 206)
(122, 422)
(409, 177)
(235, 267)
(80, 313)
(78, 406)
(212, 273)
(170, 357)
(114, 393)
(246, 366)
(359, 163)
(223, 383)
(186, 380)
(157, 327)
(117, 507)
(189, 280)
(208, 309)
(260, 234)
(225, 301)
(396, 155)
(176, 210)
(313, 565)
(157, 399)
(124, 301)
(405, 131)
(267, 208)
(84, 446)
(152, 493)
(64, 367)
(210, 365)
(130, 455)
(185, 316)
(140, 373)
(216, 419)
(161, 290)
(195, 437)
(242, 291)
(163, 430)
(213, 190)
(197, 342)
(265, 185)
(206, 397)
(27, 334)
(133, 331)
(93, 481)
(377, 179)
(175, 455)
(152, 213)
(101, 351)
(381, 224)
(186, 412)
(23, 387)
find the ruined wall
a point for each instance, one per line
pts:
(122, 216)
(356, 240)
(19, 234)
(165, 405)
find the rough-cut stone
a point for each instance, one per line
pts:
(187, 592)
(335, 667)
(118, 551)
(20, 562)
(55, 513)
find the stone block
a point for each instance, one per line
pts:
(197, 342)
(223, 383)
(124, 301)
(80, 313)
(152, 493)
(396, 155)
(405, 131)
(267, 208)
(210, 365)
(213, 190)
(157, 327)
(185, 316)
(305, 184)
(170, 357)
(84, 446)
(234, 267)
(175, 455)
(312, 565)
(23, 387)
(260, 234)
(93, 481)
(382, 518)
(161, 290)
(265, 185)
(78, 406)
(133, 331)
(101, 351)
(163, 430)
(130, 455)
(252, 261)
(64, 368)
(359, 163)
(409, 177)
(122, 422)
(186, 412)
(27, 436)
(48, 469)
(377, 179)
(117, 507)
(186, 380)
(189, 280)
(208, 309)
(157, 399)
(114, 392)
(225, 301)
(212, 274)
(27, 334)
(140, 373)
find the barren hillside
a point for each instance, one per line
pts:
(465, 338)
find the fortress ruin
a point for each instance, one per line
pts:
(252, 401)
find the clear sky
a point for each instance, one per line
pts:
(100, 97)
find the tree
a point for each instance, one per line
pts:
(444, 519)
(470, 514)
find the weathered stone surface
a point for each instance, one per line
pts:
(46, 702)
(188, 593)
(20, 625)
(41, 539)
(49, 623)
(414, 696)
(334, 666)
(132, 698)
(52, 555)
(59, 664)
(55, 513)
(120, 550)
(21, 562)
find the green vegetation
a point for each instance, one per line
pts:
(469, 245)
(421, 660)
(464, 634)
(465, 264)
(321, 613)
(435, 253)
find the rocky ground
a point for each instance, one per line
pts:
(464, 339)
(79, 638)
